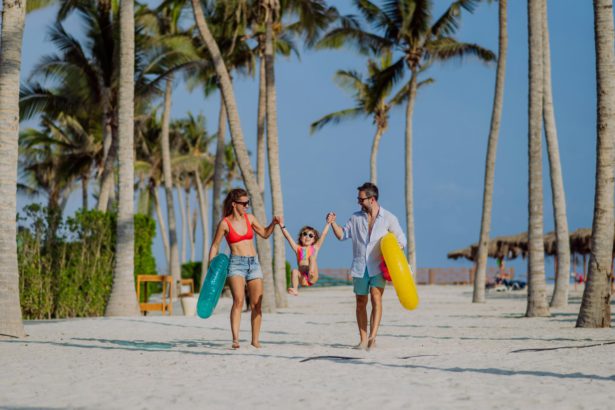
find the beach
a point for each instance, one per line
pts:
(447, 353)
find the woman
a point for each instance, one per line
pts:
(238, 227)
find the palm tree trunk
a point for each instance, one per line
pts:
(275, 181)
(189, 223)
(174, 267)
(219, 166)
(260, 125)
(107, 184)
(202, 194)
(182, 209)
(562, 275)
(480, 278)
(537, 288)
(241, 151)
(161, 225)
(595, 308)
(373, 158)
(13, 17)
(123, 299)
(109, 152)
(411, 251)
(85, 179)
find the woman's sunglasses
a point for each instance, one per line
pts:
(245, 204)
(308, 234)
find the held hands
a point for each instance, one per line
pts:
(331, 217)
(279, 220)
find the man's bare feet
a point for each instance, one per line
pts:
(293, 292)
(235, 344)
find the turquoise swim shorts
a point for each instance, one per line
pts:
(361, 285)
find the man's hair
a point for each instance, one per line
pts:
(369, 189)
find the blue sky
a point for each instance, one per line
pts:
(320, 172)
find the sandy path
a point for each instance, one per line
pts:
(447, 353)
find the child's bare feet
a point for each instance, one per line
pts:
(293, 291)
(235, 344)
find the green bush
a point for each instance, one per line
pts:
(192, 270)
(145, 263)
(71, 273)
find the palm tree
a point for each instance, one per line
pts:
(562, 277)
(408, 29)
(240, 149)
(13, 16)
(595, 307)
(480, 277)
(123, 299)
(370, 102)
(537, 290)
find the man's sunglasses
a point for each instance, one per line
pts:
(363, 199)
(308, 234)
(247, 203)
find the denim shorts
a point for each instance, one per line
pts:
(245, 266)
(362, 285)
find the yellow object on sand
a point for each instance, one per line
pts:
(398, 268)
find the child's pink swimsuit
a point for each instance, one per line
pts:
(304, 253)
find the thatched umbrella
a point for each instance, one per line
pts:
(462, 253)
(581, 241)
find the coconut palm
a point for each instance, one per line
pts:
(123, 299)
(562, 279)
(406, 27)
(370, 102)
(13, 16)
(240, 149)
(537, 290)
(492, 143)
(595, 307)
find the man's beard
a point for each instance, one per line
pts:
(365, 208)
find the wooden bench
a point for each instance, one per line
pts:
(185, 282)
(167, 284)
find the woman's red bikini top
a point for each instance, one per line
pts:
(234, 237)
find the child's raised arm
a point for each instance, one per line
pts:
(325, 230)
(287, 235)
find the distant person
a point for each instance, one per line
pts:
(238, 227)
(366, 227)
(306, 249)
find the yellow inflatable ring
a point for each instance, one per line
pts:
(398, 268)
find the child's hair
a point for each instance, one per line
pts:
(232, 196)
(307, 228)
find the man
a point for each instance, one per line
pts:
(365, 228)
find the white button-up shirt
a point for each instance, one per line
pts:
(365, 247)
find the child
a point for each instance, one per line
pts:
(310, 243)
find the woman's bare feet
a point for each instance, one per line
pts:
(235, 344)
(361, 346)
(293, 291)
(256, 344)
(371, 343)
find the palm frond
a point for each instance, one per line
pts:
(448, 23)
(447, 48)
(336, 118)
(350, 33)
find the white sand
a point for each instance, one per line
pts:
(448, 353)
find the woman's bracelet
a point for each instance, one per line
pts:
(282, 226)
